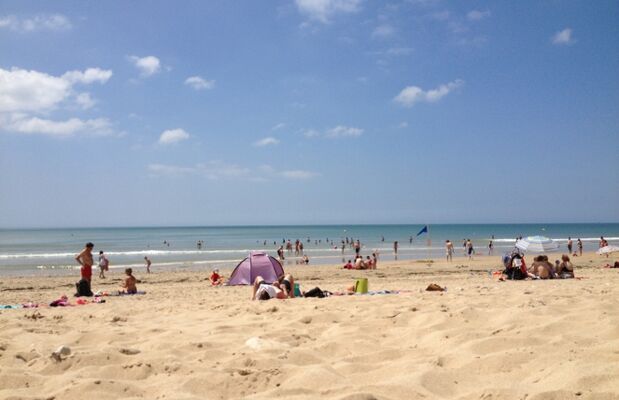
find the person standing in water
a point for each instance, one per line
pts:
(148, 263)
(85, 260)
(579, 244)
(490, 247)
(395, 248)
(569, 245)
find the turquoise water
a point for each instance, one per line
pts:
(43, 250)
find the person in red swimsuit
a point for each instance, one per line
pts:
(85, 260)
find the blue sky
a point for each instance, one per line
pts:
(310, 111)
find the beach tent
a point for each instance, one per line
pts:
(537, 244)
(257, 264)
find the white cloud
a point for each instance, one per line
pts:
(26, 92)
(147, 66)
(477, 15)
(88, 76)
(266, 142)
(59, 129)
(23, 91)
(383, 31)
(279, 126)
(297, 174)
(343, 131)
(52, 22)
(414, 94)
(32, 91)
(324, 10)
(563, 37)
(173, 136)
(85, 101)
(199, 83)
(340, 131)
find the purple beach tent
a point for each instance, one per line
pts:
(257, 264)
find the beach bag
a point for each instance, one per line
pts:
(83, 288)
(315, 292)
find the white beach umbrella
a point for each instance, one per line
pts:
(537, 244)
(608, 249)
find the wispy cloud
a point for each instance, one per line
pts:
(199, 83)
(324, 10)
(278, 126)
(51, 22)
(414, 94)
(477, 15)
(340, 131)
(171, 136)
(148, 66)
(58, 129)
(88, 76)
(219, 170)
(563, 37)
(383, 31)
(298, 174)
(266, 142)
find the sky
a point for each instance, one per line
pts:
(160, 113)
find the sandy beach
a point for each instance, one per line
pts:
(184, 339)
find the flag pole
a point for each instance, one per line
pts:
(429, 243)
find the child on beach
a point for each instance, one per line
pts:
(103, 264)
(216, 279)
(129, 287)
(148, 263)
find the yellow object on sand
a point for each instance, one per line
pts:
(361, 286)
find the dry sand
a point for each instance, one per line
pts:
(184, 339)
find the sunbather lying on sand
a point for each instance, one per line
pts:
(263, 291)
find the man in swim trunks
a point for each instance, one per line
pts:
(85, 260)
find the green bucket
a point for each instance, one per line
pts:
(361, 286)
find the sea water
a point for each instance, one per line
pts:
(27, 251)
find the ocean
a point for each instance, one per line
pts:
(45, 251)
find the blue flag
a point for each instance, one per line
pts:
(423, 230)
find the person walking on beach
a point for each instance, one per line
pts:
(469, 248)
(85, 260)
(579, 244)
(395, 248)
(490, 247)
(148, 262)
(103, 264)
(449, 250)
(569, 245)
(464, 248)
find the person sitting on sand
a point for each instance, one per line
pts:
(349, 265)
(129, 286)
(541, 268)
(263, 291)
(359, 263)
(515, 267)
(286, 283)
(566, 268)
(369, 263)
(216, 279)
(305, 259)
